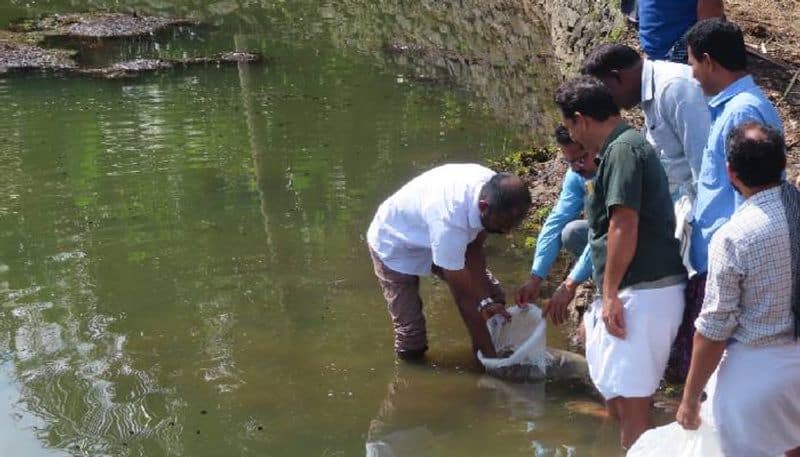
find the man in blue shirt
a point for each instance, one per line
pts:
(718, 58)
(663, 23)
(563, 228)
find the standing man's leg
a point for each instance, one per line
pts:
(634, 417)
(401, 292)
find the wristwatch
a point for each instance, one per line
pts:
(485, 303)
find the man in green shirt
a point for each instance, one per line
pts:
(635, 256)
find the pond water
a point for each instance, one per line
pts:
(182, 259)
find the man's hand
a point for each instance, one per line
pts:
(689, 414)
(495, 308)
(558, 306)
(613, 315)
(529, 291)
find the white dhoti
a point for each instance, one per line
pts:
(633, 367)
(756, 404)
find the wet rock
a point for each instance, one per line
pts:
(126, 69)
(223, 58)
(136, 67)
(99, 25)
(19, 56)
(36, 44)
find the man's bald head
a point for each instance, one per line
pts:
(504, 202)
(757, 154)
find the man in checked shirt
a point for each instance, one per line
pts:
(748, 326)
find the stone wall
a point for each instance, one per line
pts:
(577, 25)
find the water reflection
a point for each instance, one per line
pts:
(185, 256)
(427, 411)
(185, 270)
(496, 50)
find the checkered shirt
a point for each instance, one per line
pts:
(749, 285)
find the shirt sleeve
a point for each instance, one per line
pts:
(566, 210)
(718, 318)
(448, 244)
(623, 178)
(583, 267)
(689, 118)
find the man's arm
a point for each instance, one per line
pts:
(582, 270)
(461, 284)
(686, 112)
(469, 286)
(558, 305)
(715, 325)
(623, 233)
(706, 9)
(706, 354)
(567, 209)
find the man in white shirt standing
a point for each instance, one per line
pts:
(676, 117)
(437, 223)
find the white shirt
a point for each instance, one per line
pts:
(430, 220)
(677, 121)
(749, 285)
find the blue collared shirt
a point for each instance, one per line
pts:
(567, 209)
(743, 101)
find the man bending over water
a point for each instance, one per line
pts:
(437, 223)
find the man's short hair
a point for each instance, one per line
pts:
(607, 57)
(723, 41)
(756, 153)
(505, 193)
(562, 136)
(586, 95)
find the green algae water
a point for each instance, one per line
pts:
(183, 269)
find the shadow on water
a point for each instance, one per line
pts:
(183, 264)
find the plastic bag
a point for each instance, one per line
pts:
(673, 441)
(523, 338)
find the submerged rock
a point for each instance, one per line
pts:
(127, 69)
(561, 366)
(133, 68)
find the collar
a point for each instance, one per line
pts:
(648, 81)
(621, 128)
(764, 196)
(740, 85)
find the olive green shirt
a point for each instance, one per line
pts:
(631, 175)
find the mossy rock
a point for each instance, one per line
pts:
(16, 56)
(98, 25)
